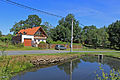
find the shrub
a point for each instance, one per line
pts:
(42, 42)
(42, 45)
(77, 44)
(5, 39)
(19, 45)
(59, 42)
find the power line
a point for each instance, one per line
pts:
(30, 8)
(81, 24)
(33, 9)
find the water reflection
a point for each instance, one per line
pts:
(69, 67)
(66, 66)
(112, 62)
(71, 70)
(100, 58)
(79, 69)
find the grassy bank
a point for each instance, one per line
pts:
(10, 65)
(113, 54)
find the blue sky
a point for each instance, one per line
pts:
(88, 12)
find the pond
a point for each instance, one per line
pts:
(84, 68)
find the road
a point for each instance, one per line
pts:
(45, 52)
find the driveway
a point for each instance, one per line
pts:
(45, 52)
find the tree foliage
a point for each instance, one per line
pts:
(60, 33)
(31, 21)
(6, 38)
(0, 33)
(95, 37)
(46, 26)
(63, 31)
(114, 34)
(88, 33)
(49, 40)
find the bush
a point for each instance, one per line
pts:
(58, 42)
(19, 45)
(77, 44)
(42, 45)
(3, 49)
(5, 39)
(42, 42)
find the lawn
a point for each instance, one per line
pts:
(16, 47)
(91, 49)
(35, 48)
(113, 54)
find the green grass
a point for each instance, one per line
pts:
(113, 54)
(10, 65)
(91, 49)
(13, 48)
(23, 48)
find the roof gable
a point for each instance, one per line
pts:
(40, 32)
(29, 31)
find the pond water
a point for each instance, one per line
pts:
(84, 68)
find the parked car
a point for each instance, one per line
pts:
(60, 47)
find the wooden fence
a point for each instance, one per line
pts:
(52, 46)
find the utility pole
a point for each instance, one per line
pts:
(71, 36)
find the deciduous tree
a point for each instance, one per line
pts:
(114, 34)
(31, 21)
(0, 33)
(63, 30)
(47, 26)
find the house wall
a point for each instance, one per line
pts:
(27, 37)
(38, 41)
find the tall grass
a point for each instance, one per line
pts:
(113, 75)
(10, 65)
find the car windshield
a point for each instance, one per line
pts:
(61, 46)
(57, 45)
